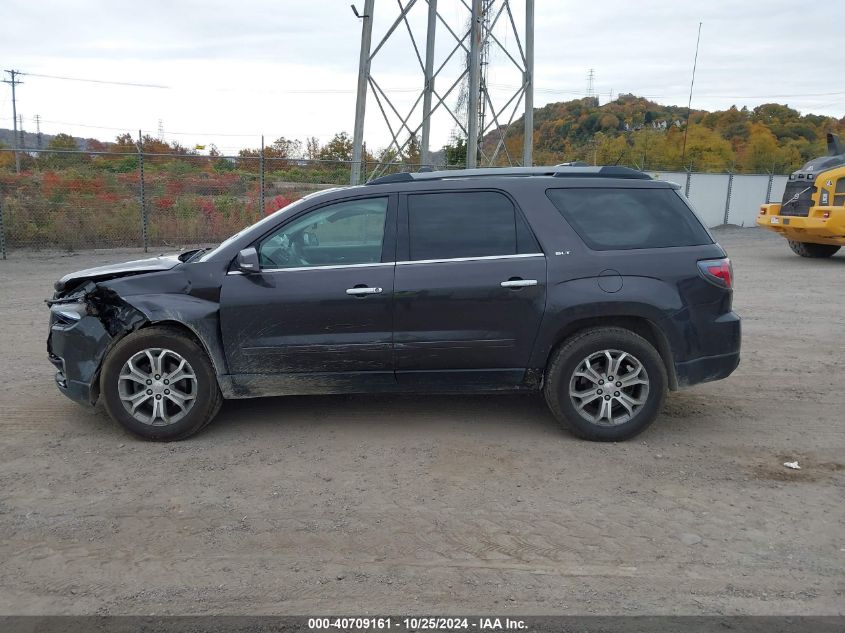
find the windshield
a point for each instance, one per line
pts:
(269, 220)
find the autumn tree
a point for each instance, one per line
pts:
(284, 148)
(312, 148)
(63, 145)
(124, 143)
(412, 154)
(279, 153)
(339, 148)
(7, 159)
(761, 153)
(706, 150)
(456, 152)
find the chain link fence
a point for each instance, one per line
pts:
(72, 200)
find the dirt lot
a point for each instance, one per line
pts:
(440, 504)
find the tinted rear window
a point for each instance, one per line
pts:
(466, 224)
(618, 219)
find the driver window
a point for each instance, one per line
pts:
(344, 233)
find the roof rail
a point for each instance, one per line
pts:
(558, 171)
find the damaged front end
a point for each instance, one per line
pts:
(84, 324)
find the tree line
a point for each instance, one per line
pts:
(629, 130)
(634, 131)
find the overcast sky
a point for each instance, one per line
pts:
(231, 71)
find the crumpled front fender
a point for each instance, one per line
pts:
(77, 351)
(83, 327)
(200, 316)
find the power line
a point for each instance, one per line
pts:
(126, 128)
(808, 94)
(689, 104)
(590, 90)
(98, 81)
(216, 89)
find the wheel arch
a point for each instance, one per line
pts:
(639, 325)
(199, 318)
(191, 332)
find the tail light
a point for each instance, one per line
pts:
(717, 271)
(762, 210)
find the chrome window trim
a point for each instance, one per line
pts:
(468, 259)
(402, 263)
(325, 267)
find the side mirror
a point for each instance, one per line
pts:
(247, 261)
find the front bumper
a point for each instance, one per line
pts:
(76, 348)
(814, 228)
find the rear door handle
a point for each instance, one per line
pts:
(363, 291)
(518, 283)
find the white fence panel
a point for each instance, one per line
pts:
(778, 185)
(708, 194)
(678, 177)
(747, 194)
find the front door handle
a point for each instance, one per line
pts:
(518, 283)
(359, 291)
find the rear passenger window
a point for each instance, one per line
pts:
(618, 219)
(466, 224)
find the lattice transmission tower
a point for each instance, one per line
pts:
(475, 116)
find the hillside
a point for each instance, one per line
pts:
(30, 140)
(630, 130)
(634, 131)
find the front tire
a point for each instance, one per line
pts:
(806, 249)
(606, 384)
(159, 384)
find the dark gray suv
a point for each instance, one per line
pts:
(596, 285)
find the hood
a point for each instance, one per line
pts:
(113, 271)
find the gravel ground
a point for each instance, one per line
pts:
(410, 504)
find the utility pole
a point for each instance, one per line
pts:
(38, 138)
(14, 81)
(142, 190)
(429, 79)
(528, 80)
(22, 142)
(483, 62)
(261, 178)
(474, 84)
(363, 80)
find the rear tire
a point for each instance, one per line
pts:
(159, 384)
(806, 249)
(606, 384)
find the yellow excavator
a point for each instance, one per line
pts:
(811, 215)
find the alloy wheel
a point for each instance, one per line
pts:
(609, 387)
(157, 386)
